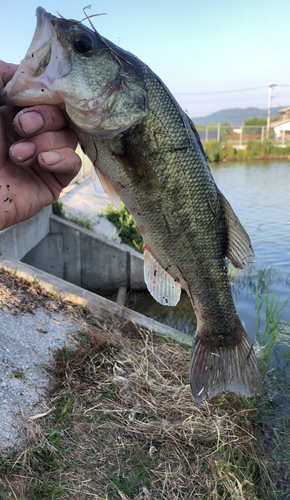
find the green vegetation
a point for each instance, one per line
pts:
(269, 340)
(272, 417)
(254, 129)
(87, 222)
(125, 225)
(217, 151)
(58, 209)
(18, 374)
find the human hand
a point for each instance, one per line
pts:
(37, 157)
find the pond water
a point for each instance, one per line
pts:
(259, 193)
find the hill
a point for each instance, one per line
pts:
(235, 116)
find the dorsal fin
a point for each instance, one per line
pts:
(165, 289)
(239, 251)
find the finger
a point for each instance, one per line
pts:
(39, 119)
(6, 72)
(64, 163)
(3, 141)
(26, 152)
(7, 114)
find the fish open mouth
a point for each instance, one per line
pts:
(46, 60)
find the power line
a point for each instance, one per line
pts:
(221, 91)
(226, 91)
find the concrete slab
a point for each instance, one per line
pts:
(83, 201)
(96, 304)
(27, 344)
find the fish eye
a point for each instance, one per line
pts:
(83, 44)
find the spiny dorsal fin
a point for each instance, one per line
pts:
(107, 187)
(239, 251)
(165, 289)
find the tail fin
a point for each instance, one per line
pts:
(216, 369)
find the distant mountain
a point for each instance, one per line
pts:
(235, 116)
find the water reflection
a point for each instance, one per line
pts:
(181, 317)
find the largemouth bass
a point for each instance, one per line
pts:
(147, 152)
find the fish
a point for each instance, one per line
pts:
(147, 152)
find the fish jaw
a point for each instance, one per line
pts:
(102, 95)
(45, 62)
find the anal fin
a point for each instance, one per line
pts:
(165, 289)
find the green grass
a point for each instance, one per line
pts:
(44, 466)
(218, 151)
(125, 225)
(263, 278)
(269, 339)
(63, 406)
(110, 393)
(87, 222)
(58, 209)
(135, 473)
(18, 374)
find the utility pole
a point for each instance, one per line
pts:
(269, 106)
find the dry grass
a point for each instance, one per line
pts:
(124, 425)
(19, 296)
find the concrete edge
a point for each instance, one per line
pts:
(95, 235)
(94, 303)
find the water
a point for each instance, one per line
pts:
(259, 193)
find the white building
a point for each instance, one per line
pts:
(282, 126)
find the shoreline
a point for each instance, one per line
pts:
(217, 151)
(246, 158)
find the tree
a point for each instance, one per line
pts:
(259, 122)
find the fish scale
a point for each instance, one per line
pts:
(147, 152)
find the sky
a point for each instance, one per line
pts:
(201, 49)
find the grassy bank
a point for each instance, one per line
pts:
(217, 151)
(122, 424)
(59, 209)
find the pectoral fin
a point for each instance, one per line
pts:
(239, 251)
(165, 289)
(108, 188)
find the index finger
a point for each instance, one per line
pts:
(7, 70)
(38, 119)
